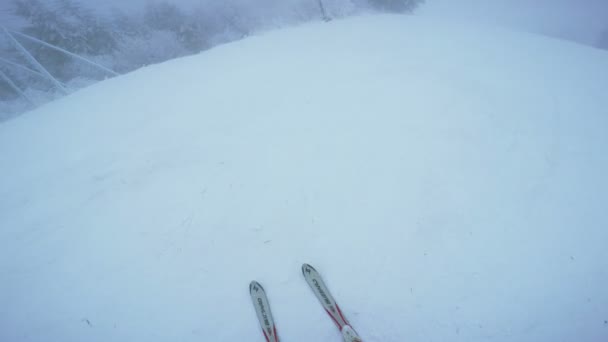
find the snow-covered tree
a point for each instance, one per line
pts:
(399, 6)
(160, 31)
(66, 24)
(187, 27)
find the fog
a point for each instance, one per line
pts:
(579, 20)
(127, 35)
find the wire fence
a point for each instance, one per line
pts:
(34, 67)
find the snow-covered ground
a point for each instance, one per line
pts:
(449, 184)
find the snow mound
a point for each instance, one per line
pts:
(448, 182)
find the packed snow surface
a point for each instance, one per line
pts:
(448, 182)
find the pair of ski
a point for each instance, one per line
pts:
(313, 278)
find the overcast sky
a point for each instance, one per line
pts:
(579, 20)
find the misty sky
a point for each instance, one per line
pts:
(579, 20)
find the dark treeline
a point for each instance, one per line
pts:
(125, 41)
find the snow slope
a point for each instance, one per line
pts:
(450, 185)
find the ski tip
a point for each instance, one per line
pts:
(306, 268)
(254, 286)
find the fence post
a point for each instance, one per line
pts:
(324, 14)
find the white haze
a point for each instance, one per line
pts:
(449, 183)
(578, 20)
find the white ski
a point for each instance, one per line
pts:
(262, 309)
(313, 278)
